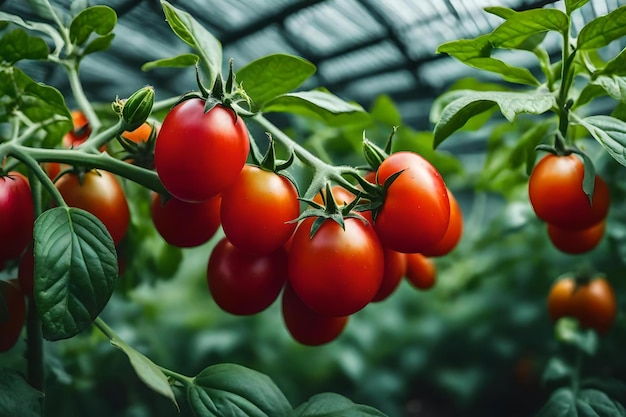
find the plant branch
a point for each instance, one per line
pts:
(81, 98)
(34, 169)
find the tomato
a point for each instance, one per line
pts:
(337, 272)
(184, 224)
(305, 325)
(453, 233)
(17, 215)
(81, 131)
(100, 194)
(420, 271)
(11, 328)
(257, 208)
(197, 155)
(243, 283)
(395, 269)
(416, 211)
(593, 303)
(141, 134)
(26, 272)
(576, 241)
(557, 197)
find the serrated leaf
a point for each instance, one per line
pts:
(458, 112)
(522, 25)
(268, 77)
(603, 30)
(195, 35)
(232, 390)
(614, 86)
(586, 403)
(17, 398)
(94, 19)
(571, 5)
(18, 44)
(333, 405)
(101, 43)
(610, 132)
(35, 26)
(146, 370)
(76, 269)
(180, 61)
(318, 104)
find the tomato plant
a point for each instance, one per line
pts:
(16, 215)
(11, 328)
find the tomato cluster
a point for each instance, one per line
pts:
(575, 222)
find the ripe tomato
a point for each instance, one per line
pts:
(11, 328)
(256, 210)
(576, 241)
(453, 233)
(81, 131)
(395, 269)
(416, 211)
(337, 272)
(243, 283)
(198, 155)
(26, 272)
(420, 271)
(556, 193)
(305, 325)
(17, 215)
(184, 224)
(593, 303)
(141, 134)
(100, 194)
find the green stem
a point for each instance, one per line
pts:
(34, 169)
(94, 143)
(578, 364)
(566, 82)
(81, 98)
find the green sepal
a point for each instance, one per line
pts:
(374, 154)
(137, 108)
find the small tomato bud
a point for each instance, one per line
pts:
(137, 108)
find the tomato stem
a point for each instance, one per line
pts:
(81, 98)
(94, 143)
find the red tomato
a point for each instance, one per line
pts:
(243, 283)
(81, 130)
(593, 303)
(420, 271)
(256, 210)
(26, 272)
(100, 194)
(11, 328)
(416, 211)
(184, 224)
(305, 325)
(198, 155)
(337, 272)
(453, 233)
(556, 193)
(17, 215)
(576, 241)
(395, 269)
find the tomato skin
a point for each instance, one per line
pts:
(557, 197)
(421, 272)
(81, 131)
(11, 329)
(453, 233)
(305, 325)
(416, 210)
(17, 215)
(26, 272)
(395, 269)
(100, 194)
(141, 134)
(576, 241)
(243, 283)
(197, 155)
(256, 210)
(592, 303)
(337, 272)
(184, 224)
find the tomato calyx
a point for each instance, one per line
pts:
(141, 153)
(374, 154)
(269, 162)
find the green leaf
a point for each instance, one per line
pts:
(17, 398)
(616, 66)
(76, 269)
(18, 44)
(333, 405)
(571, 5)
(42, 8)
(101, 43)
(232, 390)
(503, 12)
(509, 73)
(524, 150)
(146, 370)
(195, 35)
(519, 27)
(464, 49)
(588, 403)
(590, 92)
(603, 30)
(35, 26)
(458, 112)
(180, 61)
(557, 370)
(318, 104)
(268, 77)
(530, 43)
(95, 19)
(614, 85)
(610, 132)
